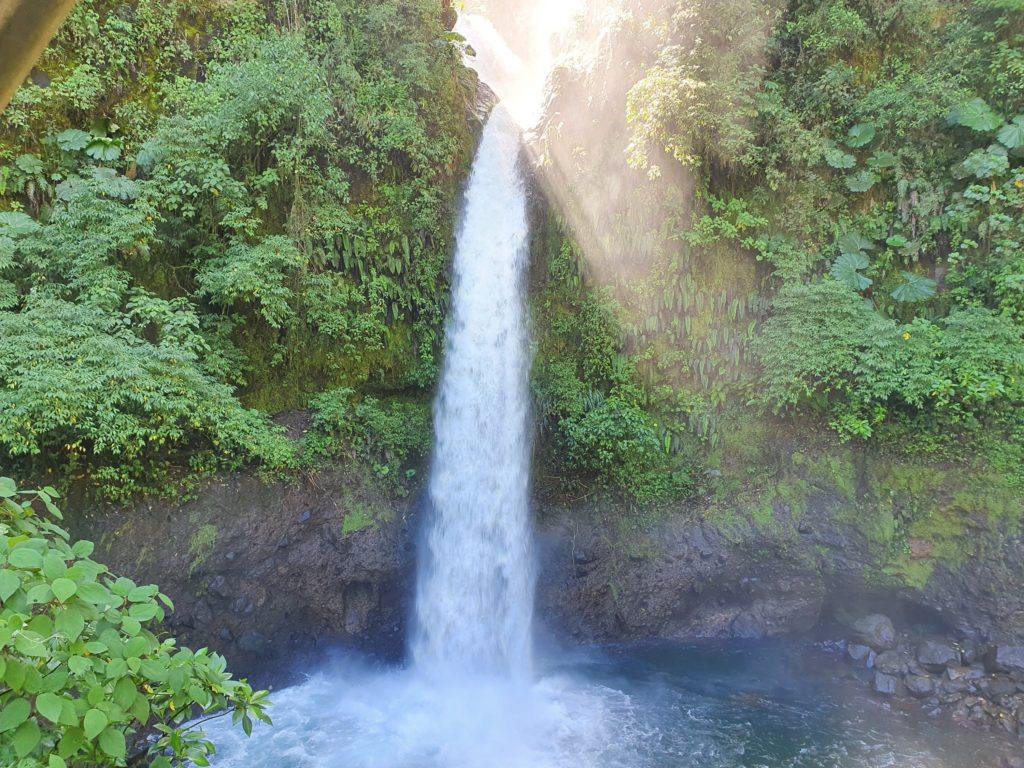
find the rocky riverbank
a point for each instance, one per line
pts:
(976, 683)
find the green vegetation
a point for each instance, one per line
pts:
(873, 156)
(86, 674)
(587, 398)
(852, 254)
(210, 211)
(390, 439)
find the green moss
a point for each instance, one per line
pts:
(795, 493)
(283, 374)
(745, 439)
(358, 519)
(763, 514)
(905, 571)
(201, 547)
(833, 470)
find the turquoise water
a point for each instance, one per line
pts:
(748, 706)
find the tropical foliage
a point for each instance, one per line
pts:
(851, 252)
(87, 674)
(210, 211)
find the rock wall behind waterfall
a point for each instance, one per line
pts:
(262, 572)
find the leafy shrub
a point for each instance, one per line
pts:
(215, 195)
(391, 438)
(76, 381)
(618, 443)
(85, 672)
(828, 349)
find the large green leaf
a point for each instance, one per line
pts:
(112, 742)
(838, 159)
(846, 269)
(26, 738)
(64, 589)
(23, 557)
(854, 242)
(14, 714)
(49, 705)
(986, 163)
(70, 623)
(94, 723)
(14, 224)
(73, 140)
(9, 583)
(104, 149)
(881, 160)
(860, 135)
(976, 115)
(914, 288)
(30, 165)
(1011, 135)
(861, 181)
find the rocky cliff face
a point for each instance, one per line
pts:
(690, 578)
(258, 571)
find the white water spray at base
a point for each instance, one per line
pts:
(474, 599)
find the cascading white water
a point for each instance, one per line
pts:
(474, 599)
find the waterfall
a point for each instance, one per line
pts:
(474, 600)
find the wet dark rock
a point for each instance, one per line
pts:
(239, 581)
(892, 662)
(919, 686)
(957, 686)
(219, 586)
(999, 687)
(957, 673)
(202, 615)
(253, 642)
(975, 672)
(888, 685)
(858, 652)
(243, 605)
(877, 631)
(1009, 657)
(747, 626)
(688, 577)
(934, 655)
(580, 557)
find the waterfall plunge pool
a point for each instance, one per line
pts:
(752, 705)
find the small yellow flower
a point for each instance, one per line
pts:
(906, 335)
(1019, 183)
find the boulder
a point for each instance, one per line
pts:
(935, 656)
(919, 686)
(858, 652)
(1009, 657)
(877, 631)
(888, 685)
(892, 662)
(998, 686)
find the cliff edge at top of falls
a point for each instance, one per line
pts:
(260, 571)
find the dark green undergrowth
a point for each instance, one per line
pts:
(209, 213)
